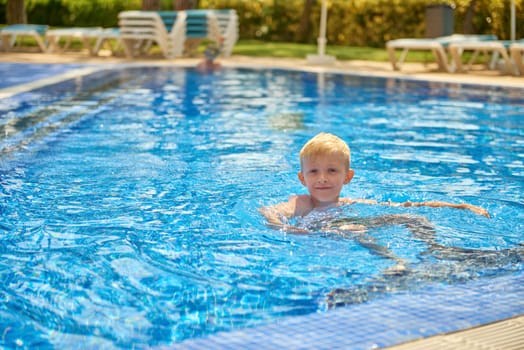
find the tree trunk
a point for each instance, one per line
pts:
(468, 18)
(305, 22)
(15, 12)
(150, 5)
(181, 5)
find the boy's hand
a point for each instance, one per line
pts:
(435, 204)
(356, 228)
(477, 210)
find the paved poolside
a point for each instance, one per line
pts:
(493, 336)
(422, 71)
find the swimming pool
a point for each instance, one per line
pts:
(129, 199)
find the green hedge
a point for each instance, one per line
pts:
(350, 22)
(364, 22)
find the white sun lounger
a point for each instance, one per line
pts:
(228, 25)
(516, 50)
(140, 29)
(438, 46)
(216, 25)
(498, 48)
(170, 30)
(11, 33)
(92, 38)
(105, 37)
(60, 40)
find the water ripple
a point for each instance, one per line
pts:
(137, 223)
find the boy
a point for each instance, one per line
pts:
(324, 170)
(211, 53)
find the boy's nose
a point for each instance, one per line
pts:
(322, 178)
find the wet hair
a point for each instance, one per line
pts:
(325, 144)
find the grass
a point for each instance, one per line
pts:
(293, 50)
(258, 48)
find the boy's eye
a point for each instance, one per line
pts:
(332, 170)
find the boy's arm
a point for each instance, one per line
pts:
(276, 214)
(433, 204)
(436, 204)
(356, 200)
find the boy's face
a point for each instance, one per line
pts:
(324, 176)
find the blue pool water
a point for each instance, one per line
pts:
(129, 199)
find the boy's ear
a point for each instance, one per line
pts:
(349, 176)
(301, 178)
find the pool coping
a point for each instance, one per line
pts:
(262, 64)
(383, 314)
(507, 334)
(410, 72)
(25, 87)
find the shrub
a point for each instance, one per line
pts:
(355, 22)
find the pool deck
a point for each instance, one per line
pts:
(504, 334)
(416, 71)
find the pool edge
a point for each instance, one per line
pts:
(437, 310)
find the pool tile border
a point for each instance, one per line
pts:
(24, 87)
(383, 322)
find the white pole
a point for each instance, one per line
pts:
(322, 34)
(322, 58)
(513, 21)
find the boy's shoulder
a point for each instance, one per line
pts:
(301, 203)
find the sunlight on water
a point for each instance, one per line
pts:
(134, 220)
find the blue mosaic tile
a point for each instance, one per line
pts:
(383, 322)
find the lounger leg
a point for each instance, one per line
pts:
(67, 43)
(516, 55)
(456, 56)
(98, 45)
(53, 45)
(127, 44)
(87, 44)
(40, 43)
(473, 58)
(5, 42)
(12, 42)
(117, 46)
(507, 62)
(442, 59)
(392, 59)
(494, 59)
(450, 68)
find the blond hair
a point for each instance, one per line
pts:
(325, 144)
